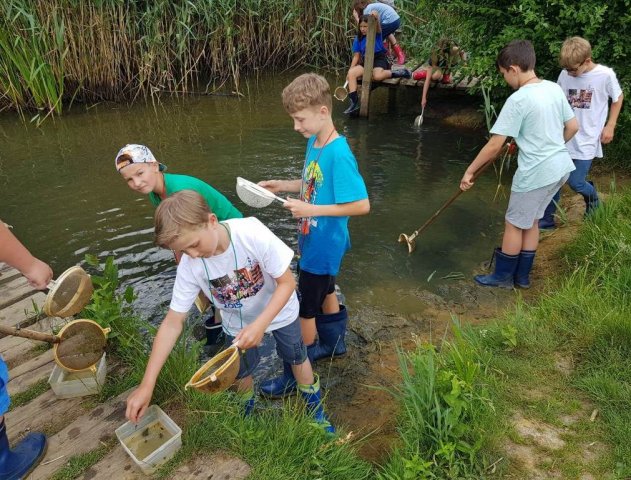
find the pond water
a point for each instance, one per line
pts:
(60, 191)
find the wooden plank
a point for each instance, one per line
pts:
(462, 84)
(14, 349)
(473, 82)
(408, 82)
(14, 291)
(21, 312)
(369, 58)
(29, 373)
(118, 465)
(8, 273)
(45, 412)
(83, 435)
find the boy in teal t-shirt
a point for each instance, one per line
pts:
(541, 121)
(331, 190)
(143, 174)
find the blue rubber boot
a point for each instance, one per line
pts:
(248, 400)
(502, 277)
(280, 387)
(591, 202)
(524, 265)
(313, 397)
(331, 331)
(18, 463)
(547, 221)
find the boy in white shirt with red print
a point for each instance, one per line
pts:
(588, 87)
(244, 269)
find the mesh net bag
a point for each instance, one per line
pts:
(71, 292)
(218, 373)
(252, 194)
(81, 345)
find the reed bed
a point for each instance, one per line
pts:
(55, 51)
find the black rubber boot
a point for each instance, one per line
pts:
(354, 106)
(18, 463)
(331, 331)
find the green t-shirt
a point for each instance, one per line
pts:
(219, 204)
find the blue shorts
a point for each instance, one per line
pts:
(388, 28)
(289, 346)
(5, 401)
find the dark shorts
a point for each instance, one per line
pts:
(380, 61)
(313, 289)
(388, 28)
(289, 346)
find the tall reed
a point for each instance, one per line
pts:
(54, 50)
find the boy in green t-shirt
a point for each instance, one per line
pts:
(143, 174)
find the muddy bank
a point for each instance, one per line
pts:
(359, 383)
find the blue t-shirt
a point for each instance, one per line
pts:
(387, 14)
(535, 117)
(359, 46)
(330, 177)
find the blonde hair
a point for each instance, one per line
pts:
(307, 90)
(183, 211)
(574, 51)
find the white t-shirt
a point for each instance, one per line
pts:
(535, 117)
(241, 279)
(589, 96)
(387, 14)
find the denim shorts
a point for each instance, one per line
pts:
(289, 346)
(313, 289)
(5, 401)
(525, 208)
(388, 28)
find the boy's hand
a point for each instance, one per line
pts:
(607, 134)
(467, 181)
(273, 186)
(38, 274)
(250, 336)
(298, 208)
(137, 403)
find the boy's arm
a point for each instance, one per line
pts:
(38, 273)
(300, 209)
(570, 128)
(488, 153)
(607, 134)
(276, 186)
(251, 335)
(167, 335)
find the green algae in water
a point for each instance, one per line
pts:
(148, 439)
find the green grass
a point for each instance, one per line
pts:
(29, 394)
(80, 463)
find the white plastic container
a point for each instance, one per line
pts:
(78, 384)
(153, 441)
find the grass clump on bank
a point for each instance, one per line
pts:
(560, 365)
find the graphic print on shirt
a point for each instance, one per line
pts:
(580, 98)
(246, 282)
(312, 180)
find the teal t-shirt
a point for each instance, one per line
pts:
(535, 117)
(219, 204)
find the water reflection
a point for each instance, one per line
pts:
(60, 190)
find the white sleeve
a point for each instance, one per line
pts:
(185, 289)
(613, 86)
(275, 256)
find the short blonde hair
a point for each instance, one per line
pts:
(307, 90)
(183, 211)
(574, 51)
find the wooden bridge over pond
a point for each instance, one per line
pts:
(74, 426)
(461, 84)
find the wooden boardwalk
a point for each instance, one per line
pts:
(74, 426)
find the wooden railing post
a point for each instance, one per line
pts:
(369, 58)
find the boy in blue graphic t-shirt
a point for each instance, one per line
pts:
(331, 190)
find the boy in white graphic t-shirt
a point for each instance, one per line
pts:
(588, 87)
(244, 269)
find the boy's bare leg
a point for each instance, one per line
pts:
(330, 304)
(303, 373)
(308, 328)
(530, 237)
(513, 239)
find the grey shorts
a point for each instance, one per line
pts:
(289, 346)
(525, 208)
